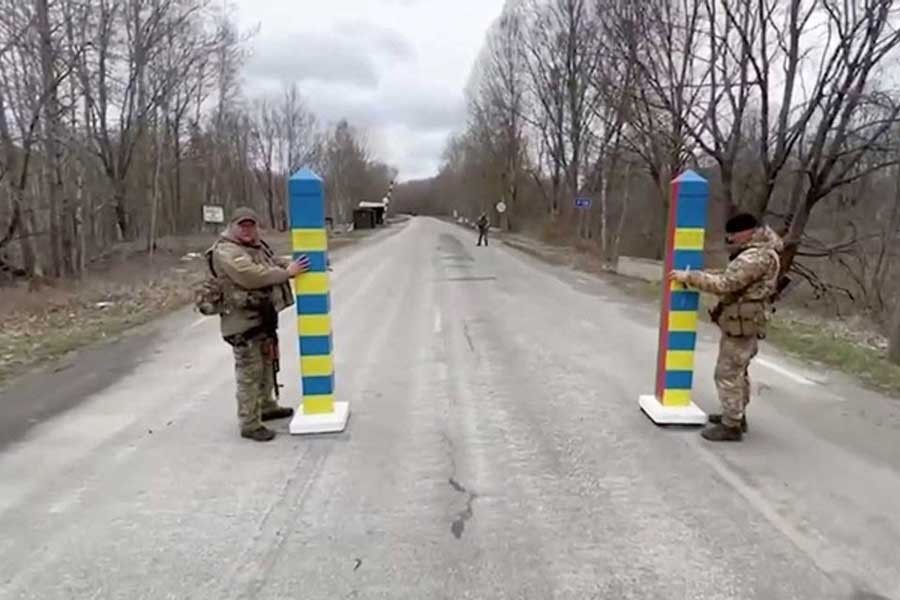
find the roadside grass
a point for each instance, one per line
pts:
(126, 290)
(39, 326)
(833, 344)
(813, 342)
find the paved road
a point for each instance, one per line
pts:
(495, 451)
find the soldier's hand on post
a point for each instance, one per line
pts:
(679, 277)
(301, 265)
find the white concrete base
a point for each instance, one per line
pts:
(671, 415)
(333, 422)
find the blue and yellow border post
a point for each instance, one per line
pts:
(672, 403)
(318, 411)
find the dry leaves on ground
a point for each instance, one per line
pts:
(36, 326)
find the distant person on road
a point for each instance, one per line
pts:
(483, 227)
(745, 288)
(257, 289)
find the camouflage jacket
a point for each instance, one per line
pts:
(752, 276)
(249, 272)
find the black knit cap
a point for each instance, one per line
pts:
(741, 222)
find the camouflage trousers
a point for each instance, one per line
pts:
(254, 375)
(732, 376)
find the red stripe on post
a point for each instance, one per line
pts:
(666, 303)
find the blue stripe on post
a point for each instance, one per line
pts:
(691, 211)
(314, 345)
(305, 183)
(685, 300)
(299, 186)
(688, 259)
(682, 340)
(317, 261)
(318, 386)
(677, 380)
(692, 186)
(313, 304)
(307, 212)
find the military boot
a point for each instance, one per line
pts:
(279, 412)
(260, 434)
(716, 418)
(722, 433)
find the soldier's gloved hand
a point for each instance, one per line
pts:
(301, 265)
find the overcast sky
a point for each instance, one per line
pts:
(395, 67)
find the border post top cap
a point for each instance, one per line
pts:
(690, 176)
(306, 174)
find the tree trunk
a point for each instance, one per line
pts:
(620, 227)
(604, 218)
(53, 218)
(60, 210)
(78, 222)
(120, 211)
(178, 209)
(793, 237)
(270, 201)
(30, 259)
(154, 196)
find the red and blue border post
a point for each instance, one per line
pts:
(672, 402)
(318, 412)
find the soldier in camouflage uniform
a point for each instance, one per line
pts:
(745, 288)
(256, 288)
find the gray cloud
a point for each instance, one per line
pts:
(423, 107)
(388, 42)
(348, 53)
(313, 56)
(394, 68)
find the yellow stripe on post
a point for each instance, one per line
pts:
(680, 360)
(318, 405)
(309, 240)
(314, 325)
(316, 366)
(689, 238)
(676, 398)
(311, 283)
(683, 320)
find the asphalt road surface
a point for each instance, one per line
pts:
(495, 450)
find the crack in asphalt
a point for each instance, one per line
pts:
(468, 336)
(459, 523)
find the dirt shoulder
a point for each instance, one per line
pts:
(850, 346)
(126, 289)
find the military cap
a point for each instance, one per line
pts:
(244, 214)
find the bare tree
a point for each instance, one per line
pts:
(21, 100)
(266, 132)
(497, 105)
(119, 119)
(298, 125)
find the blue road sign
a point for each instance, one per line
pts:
(582, 202)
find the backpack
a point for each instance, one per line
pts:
(209, 294)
